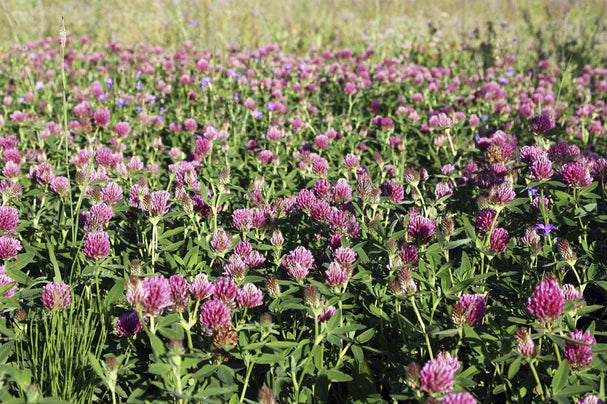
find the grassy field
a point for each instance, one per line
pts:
(298, 25)
(303, 201)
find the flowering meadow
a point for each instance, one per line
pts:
(253, 225)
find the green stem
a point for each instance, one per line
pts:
(423, 327)
(459, 341)
(451, 143)
(537, 380)
(65, 125)
(556, 351)
(246, 380)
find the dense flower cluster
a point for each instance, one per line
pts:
(301, 225)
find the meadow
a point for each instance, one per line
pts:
(303, 202)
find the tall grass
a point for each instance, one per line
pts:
(56, 351)
(298, 25)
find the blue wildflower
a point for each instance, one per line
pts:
(546, 228)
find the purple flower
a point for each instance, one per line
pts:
(9, 247)
(345, 256)
(438, 375)
(579, 356)
(7, 280)
(459, 398)
(298, 263)
(225, 289)
(250, 296)
(572, 294)
(134, 291)
(201, 287)
(524, 343)
(541, 123)
(502, 194)
(277, 240)
(236, 268)
(547, 301)
(591, 399)
(342, 191)
(254, 259)
(204, 83)
(99, 215)
(243, 219)
(575, 175)
(213, 314)
(190, 125)
(157, 295)
(443, 188)
(102, 117)
(122, 129)
(159, 203)
(9, 217)
(326, 314)
(180, 293)
(60, 185)
(128, 324)
(499, 240)
(336, 275)
(469, 309)
(220, 241)
(56, 295)
(541, 168)
(441, 120)
(545, 228)
(305, 198)
(484, 219)
(420, 228)
(96, 245)
(111, 193)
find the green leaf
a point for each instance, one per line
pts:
(559, 380)
(205, 372)
(378, 312)
(269, 359)
(459, 286)
(116, 292)
(358, 353)
(159, 368)
(13, 268)
(456, 243)
(365, 336)
(96, 366)
(514, 367)
(337, 376)
(574, 390)
(6, 350)
(347, 328)
(157, 345)
(51, 255)
(283, 344)
(444, 333)
(333, 321)
(361, 252)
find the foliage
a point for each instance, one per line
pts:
(333, 227)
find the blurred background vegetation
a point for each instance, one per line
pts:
(566, 30)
